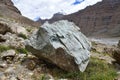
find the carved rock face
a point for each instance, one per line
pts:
(62, 44)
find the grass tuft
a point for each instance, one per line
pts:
(22, 50)
(29, 30)
(96, 70)
(22, 35)
(4, 48)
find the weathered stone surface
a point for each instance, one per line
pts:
(16, 28)
(6, 26)
(13, 40)
(9, 54)
(61, 43)
(3, 65)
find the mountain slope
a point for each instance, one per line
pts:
(101, 19)
(8, 11)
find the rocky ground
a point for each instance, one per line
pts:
(16, 63)
(107, 49)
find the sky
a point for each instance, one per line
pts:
(44, 9)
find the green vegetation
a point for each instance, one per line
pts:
(4, 48)
(96, 70)
(97, 52)
(18, 50)
(40, 77)
(93, 43)
(22, 50)
(22, 35)
(29, 30)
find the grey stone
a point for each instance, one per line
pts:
(2, 39)
(4, 28)
(9, 54)
(62, 44)
(3, 65)
(2, 77)
(13, 40)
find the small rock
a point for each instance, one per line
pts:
(9, 54)
(4, 27)
(2, 39)
(13, 40)
(3, 65)
(30, 73)
(50, 77)
(18, 29)
(10, 70)
(20, 57)
(30, 63)
(13, 78)
(2, 77)
(118, 72)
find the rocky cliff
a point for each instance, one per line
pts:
(101, 19)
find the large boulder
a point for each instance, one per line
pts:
(61, 43)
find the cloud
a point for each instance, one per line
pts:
(35, 9)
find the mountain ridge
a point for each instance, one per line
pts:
(9, 11)
(101, 19)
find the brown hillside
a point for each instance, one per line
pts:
(7, 10)
(101, 19)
